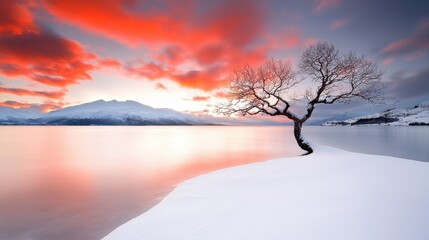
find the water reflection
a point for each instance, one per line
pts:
(82, 182)
(395, 141)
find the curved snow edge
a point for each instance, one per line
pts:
(330, 194)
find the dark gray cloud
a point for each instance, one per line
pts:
(406, 87)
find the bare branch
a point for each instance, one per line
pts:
(336, 77)
(260, 90)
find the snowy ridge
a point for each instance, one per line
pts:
(102, 113)
(417, 115)
(330, 194)
(18, 115)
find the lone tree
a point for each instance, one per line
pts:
(327, 75)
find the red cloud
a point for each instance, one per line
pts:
(206, 80)
(44, 57)
(25, 92)
(134, 22)
(109, 62)
(15, 18)
(173, 55)
(152, 71)
(185, 33)
(120, 20)
(210, 54)
(38, 54)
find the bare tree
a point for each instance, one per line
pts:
(271, 88)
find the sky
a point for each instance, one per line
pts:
(179, 54)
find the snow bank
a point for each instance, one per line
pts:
(330, 194)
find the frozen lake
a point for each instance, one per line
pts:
(82, 182)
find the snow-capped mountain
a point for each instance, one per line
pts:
(416, 115)
(103, 113)
(10, 115)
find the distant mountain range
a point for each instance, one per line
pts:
(100, 113)
(131, 113)
(416, 115)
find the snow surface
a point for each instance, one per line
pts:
(330, 194)
(14, 114)
(416, 114)
(119, 110)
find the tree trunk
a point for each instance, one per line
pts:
(298, 137)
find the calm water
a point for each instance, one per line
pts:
(82, 182)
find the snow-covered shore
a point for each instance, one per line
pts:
(330, 194)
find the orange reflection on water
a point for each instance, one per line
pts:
(82, 182)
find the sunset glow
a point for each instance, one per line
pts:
(178, 54)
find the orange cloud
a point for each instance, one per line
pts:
(210, 54)
(15, 104)
(214, 39)
(50, 106)
(118, 20)
(26, 92)
(163, 21)
(44, 107)
(109, 62)
(44, 57)
(150, 70)
(206, 80)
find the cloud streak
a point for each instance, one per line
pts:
(339, 23)
(417, 42)
(26, 92)
(44, 107)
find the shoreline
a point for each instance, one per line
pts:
(330, 194)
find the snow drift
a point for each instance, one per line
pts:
(331, 194)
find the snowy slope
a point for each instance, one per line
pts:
(330, 194)
(101, 113)
(116, 112)
(417, 115)
(18, 115)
